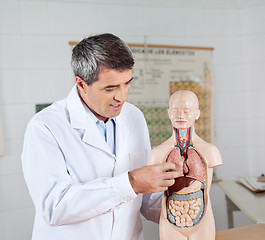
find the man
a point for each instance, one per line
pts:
(186, 211)
(84, 156)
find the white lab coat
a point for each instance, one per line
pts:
(80, 190)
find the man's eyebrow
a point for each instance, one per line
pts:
(112, 86)
(129, 81)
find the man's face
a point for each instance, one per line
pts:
(106, 96)
(183, 111)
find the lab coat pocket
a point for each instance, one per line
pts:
(137, 160)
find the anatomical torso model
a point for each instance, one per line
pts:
(186, 211)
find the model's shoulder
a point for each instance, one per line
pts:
(211, 152)
(212, 147)
(160, 152)
(167, 144)
(215, 158)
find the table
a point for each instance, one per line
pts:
(239, 197)
(250, 232)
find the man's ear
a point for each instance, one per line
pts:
(197, 114)
(80, 83)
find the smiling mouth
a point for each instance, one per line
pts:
(116, 107)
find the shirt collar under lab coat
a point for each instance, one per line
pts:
(81, 119)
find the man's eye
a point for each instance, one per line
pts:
(109, 89)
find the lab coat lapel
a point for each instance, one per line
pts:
(93, 137)
(122, 134)
(80, 119)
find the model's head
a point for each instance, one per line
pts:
(100, 51)
(183, 109)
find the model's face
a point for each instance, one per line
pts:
(106, 96)
(183, 111)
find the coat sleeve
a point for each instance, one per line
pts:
(151, 204)
(56, 196)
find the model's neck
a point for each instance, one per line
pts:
(183, 138)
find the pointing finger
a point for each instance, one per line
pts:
(168, 166)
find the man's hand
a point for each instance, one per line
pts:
(153, 178)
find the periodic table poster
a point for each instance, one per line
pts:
(161, 70)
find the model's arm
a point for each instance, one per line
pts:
(56, 196)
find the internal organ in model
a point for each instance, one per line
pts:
(189, 169)
(185, 209)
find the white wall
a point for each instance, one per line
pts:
(240, 96)
(34, 68)
(253, 38)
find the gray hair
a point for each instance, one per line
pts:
(104, 50)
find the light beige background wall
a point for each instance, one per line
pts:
(1, 138)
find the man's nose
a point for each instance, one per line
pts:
(121, 95)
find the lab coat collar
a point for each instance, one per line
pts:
(81, 119)
(77, 112)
